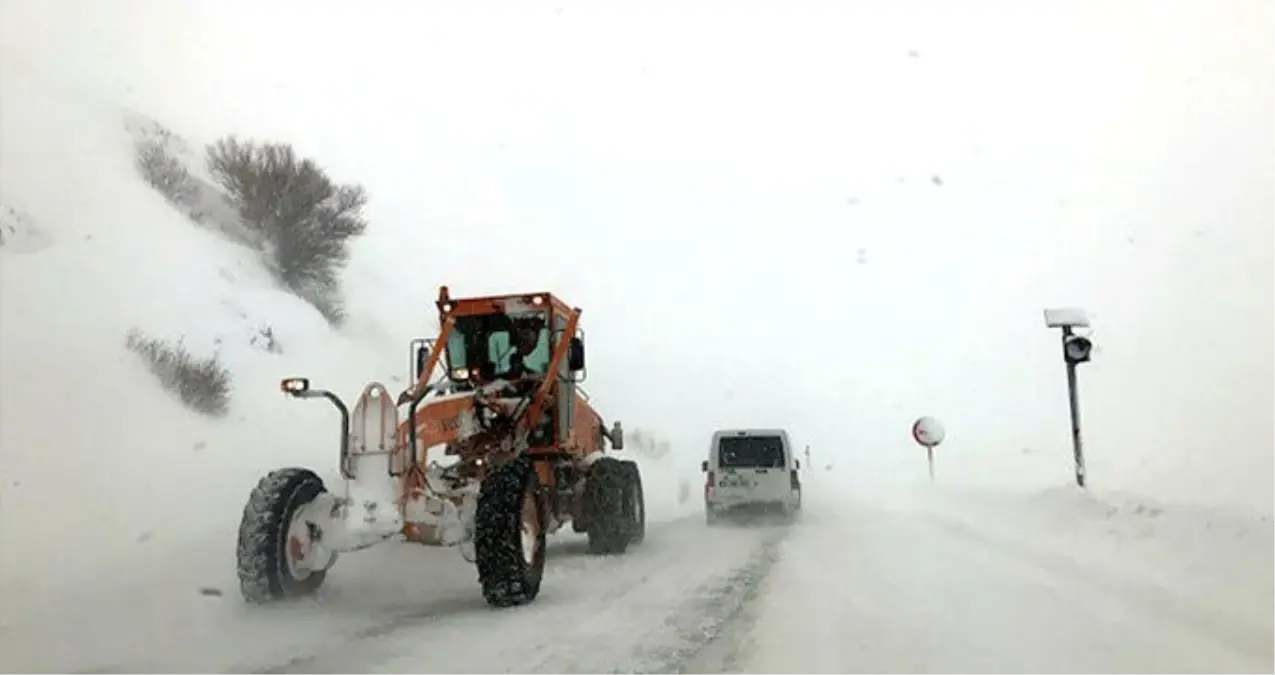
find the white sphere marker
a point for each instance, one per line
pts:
(928, 432)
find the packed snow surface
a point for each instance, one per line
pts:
(918, 582)
(1054, 582)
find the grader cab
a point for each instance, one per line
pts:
(500, 450)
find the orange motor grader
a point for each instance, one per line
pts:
(500, 450)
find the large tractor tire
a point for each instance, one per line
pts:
(635, 503)
(509, 534)
(609, 522)
(268, 558)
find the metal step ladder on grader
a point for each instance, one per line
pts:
(523, 453)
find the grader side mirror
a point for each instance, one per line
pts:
(422, 355)
(575, 355)
(703, 466)
(421, 348)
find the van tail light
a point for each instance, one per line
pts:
(796, 480)
(708, 485)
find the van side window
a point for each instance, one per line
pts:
(751, 452)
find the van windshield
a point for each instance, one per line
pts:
(751, 452)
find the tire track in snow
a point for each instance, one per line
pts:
(722, 644)
(645, 611)
(697, 621)
(724, 652)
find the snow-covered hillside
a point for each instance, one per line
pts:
(90, 440)
(101, 466)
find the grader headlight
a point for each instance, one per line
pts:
(295, 386)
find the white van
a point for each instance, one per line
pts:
(751, 470)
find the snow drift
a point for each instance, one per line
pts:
(1218, 556)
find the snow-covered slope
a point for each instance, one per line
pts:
(100, 466)
(92, 447)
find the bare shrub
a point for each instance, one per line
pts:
(156, 156)
(201, 384)
(167, 163)
(305, 219)
(263, 338)
(165, 173)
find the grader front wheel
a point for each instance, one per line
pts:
(273, 542)
(509, 535)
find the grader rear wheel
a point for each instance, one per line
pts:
(635, 503)
(609, 521)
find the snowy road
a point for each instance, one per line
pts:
(401, 609)
(853, 587)
(869, 590)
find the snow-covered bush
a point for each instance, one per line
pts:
(201, 384)
(155, 155)
(165, 173)
(264, 339)
(305, 219)
(167, 162)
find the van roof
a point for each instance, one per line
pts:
(750, 432)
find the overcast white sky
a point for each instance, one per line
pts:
(742, 198)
